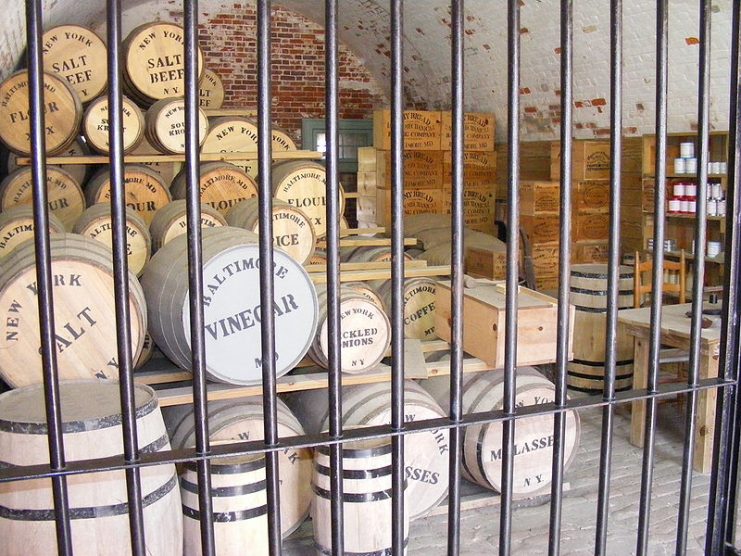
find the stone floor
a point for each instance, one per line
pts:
(480, 527)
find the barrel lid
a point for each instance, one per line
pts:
(85, 405)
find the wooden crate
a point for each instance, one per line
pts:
(539, 197)
(591, 226)
(478, 208)
(544, 257)
(487, 262)
(589, 252)
(422, 169)
(479, 169)
(366, 159)
(421, 130)
(366, 209)
(535, 161)
(479, 130)
(367, 183)
(590, 160)
(591, 195)
(416, 201)
(484, 314)
(541, 228)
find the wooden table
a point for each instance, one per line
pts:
(675, 332)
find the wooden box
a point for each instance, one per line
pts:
(535, 161)
(478, 208)
(539, 197)
(479, 169)
(366, 159)
(422, 169)
(421, 130)
(591, 226)
(545, 259)
(479, 129)
(541, 228)
(483, 327)
(589, 252)
(590, 160)
(366, 208)
(592, 195)
(416, 201)
(367, 183)
(487, 262)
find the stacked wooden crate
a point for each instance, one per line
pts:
(539, 217)
(428, 168)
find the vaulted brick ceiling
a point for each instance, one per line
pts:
(364, 27)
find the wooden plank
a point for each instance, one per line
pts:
(415, 365)
(362, 231)
(369, 242)
(362, 275)
(345, 267)
(204, 157)
(246, 112)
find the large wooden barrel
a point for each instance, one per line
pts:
(171, 221)
(222, 185)
(97, 223)
(92, 428)
(231, 262)
(588, 293)
(303, 184)
(95, 125)
(154, 62)
(62, 114)
(166, 170)
(371, 255)
(319, 257)
(165, 125)
(79, 56)
(425, 453)
(419, 306)
(366, 333)
(145, 191)
(366, 498)
(210, 90)
(292, 230)
(16, 226)
(146, 352)
(239, 502)
(242, 419)
(77, 171)
(366, 290)
(64, 196)
(482, 444)
(82, 273)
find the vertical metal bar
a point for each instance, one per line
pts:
(644, 510)
(722, 500)
(267, 325)
(34, 26)
(703, 144)
(564, 256)
(616, 126)
(513, 241)
(333, 275)
(121, 277)
(397, 272)
(457, 246)
(195, 275)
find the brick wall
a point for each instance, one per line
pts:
(229, 45)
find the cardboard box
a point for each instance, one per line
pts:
(479, 169)
(590, 160)
(416, 201)
(479, 131)
(539, 197)
(483, 330)
(421, 130)
(422, 169)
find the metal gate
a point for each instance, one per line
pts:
(722, 503)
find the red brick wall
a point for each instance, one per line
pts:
(229, 46)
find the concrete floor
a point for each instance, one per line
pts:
(480, 527)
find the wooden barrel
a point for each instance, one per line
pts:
(366, 333)
(146, 353)
(367, 291)
(222, 186)
(62, 114)
(77, 171)
(242, 419)
(425, 453)
(292, 230)
(172, 220)
(366, 498)
(239, 506)
(154, 62)
(231, 306)
(97, 223)
(145, 191)
(16, 226)
(82, 273)
(95, 125)
(482, 444)
(79, 56)
(165, 125)
(372, 255)
(92, 428)
(303, 184)
(419, 306)
(64, 196)
(166, 170)
(588, 293)
(210, 91)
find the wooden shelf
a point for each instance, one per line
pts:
(693, 217)
(204, 157)
(682, 176)
(719, 259)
